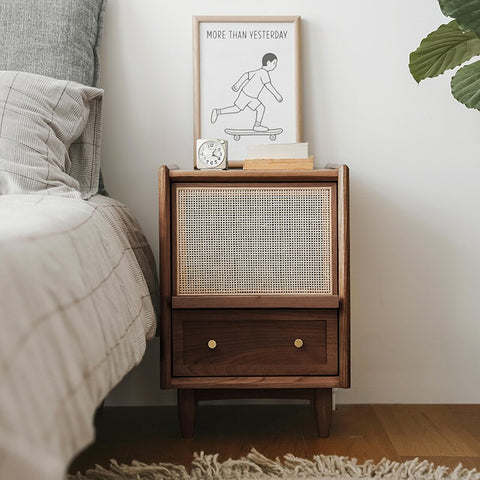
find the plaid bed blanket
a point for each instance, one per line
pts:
(76, 280)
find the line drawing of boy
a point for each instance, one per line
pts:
(250, 85)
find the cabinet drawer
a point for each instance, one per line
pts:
(252, 342)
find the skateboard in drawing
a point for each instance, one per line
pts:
(237, 133)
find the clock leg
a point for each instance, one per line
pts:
(322, 407)
(186, 411)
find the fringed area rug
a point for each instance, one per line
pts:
(257, 467)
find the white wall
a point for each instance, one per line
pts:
(414, 154)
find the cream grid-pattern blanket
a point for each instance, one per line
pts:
(75, 314)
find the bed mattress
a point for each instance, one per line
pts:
(76, 285)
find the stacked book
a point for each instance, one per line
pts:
(279, 156)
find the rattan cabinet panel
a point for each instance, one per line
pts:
(243, 239)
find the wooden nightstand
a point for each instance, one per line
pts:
(255, 295)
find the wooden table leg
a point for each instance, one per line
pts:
(186, 411)
(322, 406)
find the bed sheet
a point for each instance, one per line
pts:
(76, 286)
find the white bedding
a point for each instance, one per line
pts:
(75, 313)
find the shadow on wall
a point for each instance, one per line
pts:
(141, 387)
(405, 309)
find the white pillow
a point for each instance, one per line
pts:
(50, 132)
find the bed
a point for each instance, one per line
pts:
(78, 280)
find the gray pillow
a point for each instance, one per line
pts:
(50, 134)
(56, 38)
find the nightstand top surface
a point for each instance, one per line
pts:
(234, 175)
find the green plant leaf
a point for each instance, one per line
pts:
(466, 12)
(466, 85)
(445, 48)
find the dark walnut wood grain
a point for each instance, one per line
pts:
(255, 301)
(164, 228)
(269, 177)
(255, 342)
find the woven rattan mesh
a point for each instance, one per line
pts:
(254, 240)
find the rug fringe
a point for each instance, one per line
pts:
(256, 466)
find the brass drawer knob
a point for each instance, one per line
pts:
(298, 342)
(212, 344)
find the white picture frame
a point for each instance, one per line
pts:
(247, 81)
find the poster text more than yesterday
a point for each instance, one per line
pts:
(246, 34)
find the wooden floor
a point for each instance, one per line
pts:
(443, 434)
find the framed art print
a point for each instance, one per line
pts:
(247, 81)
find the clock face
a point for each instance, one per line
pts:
(211, 154)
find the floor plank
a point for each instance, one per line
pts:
(356, 432)
(443, 434)
(426, 430)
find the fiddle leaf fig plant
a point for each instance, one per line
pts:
(450, 46)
